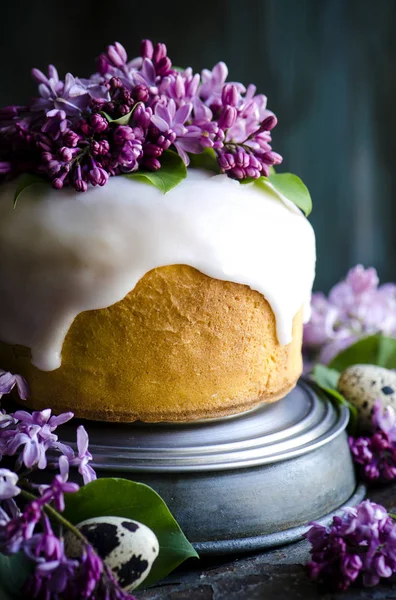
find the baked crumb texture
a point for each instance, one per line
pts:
(181, 346)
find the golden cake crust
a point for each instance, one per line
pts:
(180, 346)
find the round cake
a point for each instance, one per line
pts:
(168, 294)
(125, 304)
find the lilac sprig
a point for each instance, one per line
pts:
(55, 574)
(31, 437)
(375, 455)
(360, 545)
(71, 132)
(9, 381)
(26, 519)
(354, 308)
(32, 440)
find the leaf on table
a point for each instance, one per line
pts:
(14, 571)
(376, 350)
(327, 379)
(123, 498)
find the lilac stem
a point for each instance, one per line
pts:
(51, 512)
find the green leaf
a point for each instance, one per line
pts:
(326, 377)
(373, 350)
(327, 380)
(14, 571)
(205, 160)
(288, 185)
(124, 120)
(172, 172)
(26, 181)
(293, 189)
(124, 498)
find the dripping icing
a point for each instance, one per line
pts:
(62, 253)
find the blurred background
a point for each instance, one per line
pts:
(328, 68)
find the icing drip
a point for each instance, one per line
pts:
(62, 253)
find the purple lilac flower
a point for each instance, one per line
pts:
(360, 544)
(354, 308)
(55, 574)
(69, 96)
(171, 122)
(375, 455)
(35, 434)
(84, 456)
(8, 381)
(90, 573)
(52, 567)
(55, 492)
(70, 135)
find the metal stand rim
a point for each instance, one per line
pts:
(273, 540)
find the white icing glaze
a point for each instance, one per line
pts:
(62, 253)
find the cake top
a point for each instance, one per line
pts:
(141, 118)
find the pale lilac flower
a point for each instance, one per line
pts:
(8, 381)
(354, 308)
(180, 87)
(57, 490)
(169, 119)
(147, 76)
(70, 95)
(212, 84)
(5, 421)
(35, 433)
(8, 487)
(84, 456)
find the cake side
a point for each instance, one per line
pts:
(180, 346)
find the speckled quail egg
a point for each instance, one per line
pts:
(362, 385)
(127, 547)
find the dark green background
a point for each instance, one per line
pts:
(327, 66)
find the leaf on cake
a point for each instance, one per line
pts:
(123, 498)
(293, 189)
(205, 160)
(124, 120)
(26, 181)
(172, 172)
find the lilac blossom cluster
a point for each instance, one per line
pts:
(31, 438)
(30, 531)
(375, 455)
(354, 308)
(122, 118)
(24, 517)
(360, 545)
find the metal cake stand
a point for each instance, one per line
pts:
(243, 483)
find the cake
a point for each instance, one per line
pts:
(123, 303)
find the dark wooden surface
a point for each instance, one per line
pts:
(275, 575)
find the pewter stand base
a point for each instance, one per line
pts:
(244, 483)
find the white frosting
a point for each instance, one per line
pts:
(62, 253)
